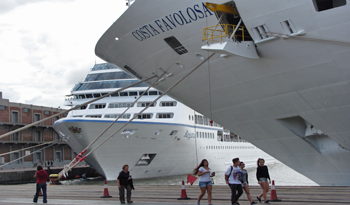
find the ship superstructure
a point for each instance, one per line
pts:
(167, 139)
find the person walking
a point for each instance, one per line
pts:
(232, 178)
(262, 174)
(41, 178)
(125, 182)
(245, 184)
(205, 183)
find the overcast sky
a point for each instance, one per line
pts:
(47, 46)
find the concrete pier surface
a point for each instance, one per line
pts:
(168, 195)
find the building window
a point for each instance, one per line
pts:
(25, 109)
(145, 104)
(65, 114)
(47, 112)
(119, 105)
(176, 45)
(168, 104)
(165, 115)
(58, 157)
(16, 156)
(2, 107)
(37, 136)
(38, 157)
(16, 136)
(57, 118)
(15, 117)
(57, 136)
(36, 117)
(321, 5)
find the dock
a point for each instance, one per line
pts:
(168, 195)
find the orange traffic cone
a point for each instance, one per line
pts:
(105, 191)
(183, 192)
(273, 196)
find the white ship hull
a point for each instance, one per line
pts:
(293, 102)
(174, 154)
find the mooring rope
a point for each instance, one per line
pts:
(27, 155)
(77, 159)
(26, 148)
(67, 168)
(76, 107)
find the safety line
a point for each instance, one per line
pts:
(67, 168)
(78, 106)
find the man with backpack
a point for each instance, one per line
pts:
(233, 175)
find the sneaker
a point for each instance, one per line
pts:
(253, 202)
(258, 199)
(267, 202)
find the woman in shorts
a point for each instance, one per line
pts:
(245, 183)
(205, 183)
(262, 175)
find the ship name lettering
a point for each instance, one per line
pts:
(165, 24)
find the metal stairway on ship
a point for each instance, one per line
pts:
(227, 38)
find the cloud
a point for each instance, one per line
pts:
(9, 5)
(47, 46)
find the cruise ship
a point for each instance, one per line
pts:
(273, 72)
(167, 139)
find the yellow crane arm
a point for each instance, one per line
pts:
(221, 8)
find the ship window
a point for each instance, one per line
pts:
(125, 116)
(81, 96)
(145, 104)
(77, 116)
(141, 92)
(89, 96)
(107, 76)
(119, 105)
(145, 160)
(97, 106)
(144, 116)
(165, 115)
(93, 116)
(174, 132)
(97, 95)
(123, 93)
(104, 94)
(176, 45)
(115, 95)
(321, 5)
(132, 93)
(169, 104)
(83, 107)
(153, 92)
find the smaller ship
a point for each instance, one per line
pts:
(167, 139)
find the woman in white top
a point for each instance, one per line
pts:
(205, 183)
